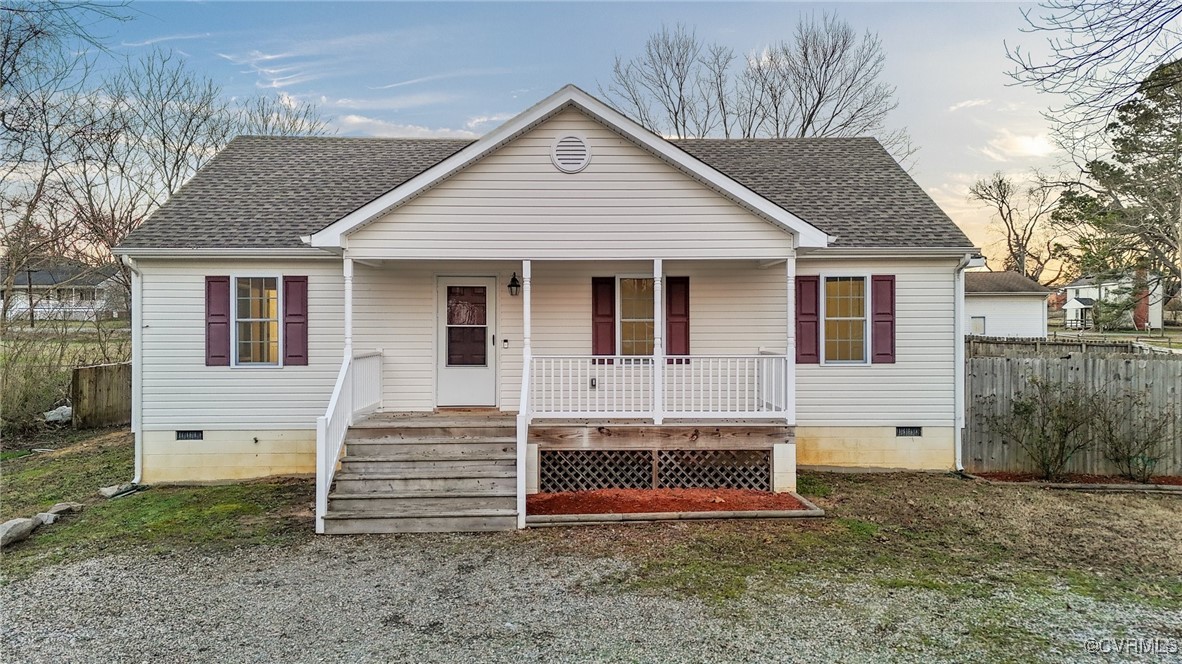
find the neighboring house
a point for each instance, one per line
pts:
(1083, 293)
(1005, 304)
(63, 289)
(623, 307)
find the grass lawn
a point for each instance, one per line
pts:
(895, 530)
(209, 518)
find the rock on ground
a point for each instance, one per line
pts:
(17, 530)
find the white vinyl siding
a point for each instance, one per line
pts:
(917, 390)
(395, 310)
(1008, 315)
(515, 204)
(180, 392)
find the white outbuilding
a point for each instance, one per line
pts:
(1005, 304)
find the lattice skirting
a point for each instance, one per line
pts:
(587, 470)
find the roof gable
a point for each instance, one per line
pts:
(570, 96)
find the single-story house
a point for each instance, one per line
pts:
(1082, 294)
(60, 288)
(1005, 304)
(437, 327)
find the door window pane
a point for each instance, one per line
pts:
(467, 327)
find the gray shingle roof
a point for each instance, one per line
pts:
(1001, 282)
(265, 192)
(55, 270)
(848, 187)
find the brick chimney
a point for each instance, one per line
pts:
(1141, 301)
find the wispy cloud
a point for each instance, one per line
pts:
(1007, 145)
(459, 73)
(367, 126)
(167, 38)
(968, 103)
(395, 103)
(481, 120)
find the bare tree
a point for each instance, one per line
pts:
(280, 115)
(1100, 53)
(824, 81)
(32, 34)
(1024, 217)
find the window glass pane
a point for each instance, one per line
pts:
(636, 316)
(978, 325)
(257, 320)
(845, 319)
(466, 305)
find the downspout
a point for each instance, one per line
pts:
(137, 365)
(958, 370)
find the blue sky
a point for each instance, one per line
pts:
(447, 69)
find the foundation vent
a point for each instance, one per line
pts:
(570, 154)
(190, 435)
(908, 432)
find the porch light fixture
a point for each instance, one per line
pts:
(514, 285)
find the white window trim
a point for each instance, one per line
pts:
(234, 277)
(866, 340)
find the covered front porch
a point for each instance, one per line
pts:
(624, 404)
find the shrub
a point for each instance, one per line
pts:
(1049, 422)
(1132, 438)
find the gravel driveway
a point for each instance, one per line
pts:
(456, 598)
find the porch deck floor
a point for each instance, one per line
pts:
(489, 416)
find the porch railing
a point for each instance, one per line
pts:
(357, 391)
(698, 386)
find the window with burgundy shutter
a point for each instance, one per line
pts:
(882, 334)
(808, 319)
(295, 321)
(603, 316)
(677, 316)
(217, 321)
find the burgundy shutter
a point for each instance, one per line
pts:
(808, 320)
(603, 315)
(295, 321)
(882, 335)
(217, 321)
(677, 316)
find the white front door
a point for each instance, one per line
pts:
(467, 371)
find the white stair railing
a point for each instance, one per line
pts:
(357, 391)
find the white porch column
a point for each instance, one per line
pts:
(348, 307)
(790, 347)
(658, 341)
(523, 406)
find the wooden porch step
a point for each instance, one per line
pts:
(429, 447)
(399, 463)
(444, 480)
(368, 430)
(476, 520)
(421, 503)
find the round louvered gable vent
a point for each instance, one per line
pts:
(570, 154)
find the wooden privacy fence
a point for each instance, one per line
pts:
(994, 382)
(101, 395)
(1011, 346)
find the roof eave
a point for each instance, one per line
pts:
(224, 252)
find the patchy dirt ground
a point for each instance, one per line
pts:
(905, 567)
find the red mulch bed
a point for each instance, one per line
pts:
(1077, 478)
(632, 501)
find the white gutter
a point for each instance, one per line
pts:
(958, 400)
(137, 365)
